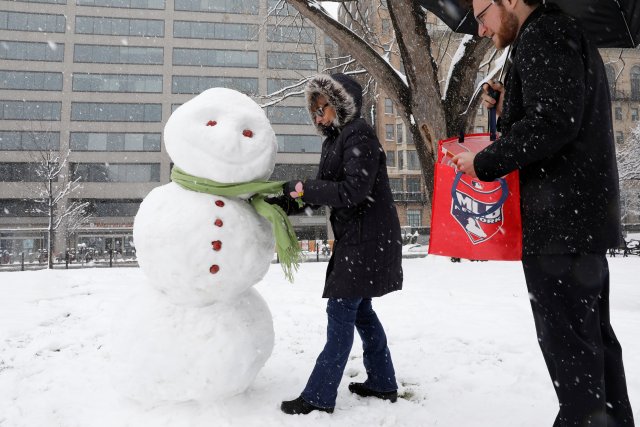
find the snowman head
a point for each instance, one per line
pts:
(221, 135)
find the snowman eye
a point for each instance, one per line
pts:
(212, 123)
(247, 133)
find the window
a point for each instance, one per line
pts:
(396, 185)
(286, 172)
(37, 22)
(120, 26)
(619, 137)
(128, 83)
(118, 54)
(215, 57)
(388, 106)
(107, 112)
(634, 114)
(635, 82)
(30, 80)
(116, 172)
(400, 160)
(299, 144)
(215, 30)
(618, 113)
(291, 61)
(28, 51)
(480, 76)
(478, 129)
(480, 111)
(197, 84)
(611, 78)
(29, 141)
(413, 185)
(386, 27)
(412, 160)
(275, 85)
(88, 141)
(291, 34)
(288, 115)
(399, 133)
(414, 218)
(112, 207)
(281, 8)
(30, 110)
(389, 132)
(44, 1)
(391, 159)
(20, 172)
(127, 4)
(22, 208)
(247, 7)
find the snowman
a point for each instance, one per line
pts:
(199, 331)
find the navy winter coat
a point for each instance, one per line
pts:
(556, 129)
(352, 181)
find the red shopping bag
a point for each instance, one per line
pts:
(470, 218)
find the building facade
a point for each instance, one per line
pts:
(99, 78)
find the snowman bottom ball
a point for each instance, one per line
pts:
(163, 352)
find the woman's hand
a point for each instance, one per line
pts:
(295, 190)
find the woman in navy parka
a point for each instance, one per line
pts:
(366, 262)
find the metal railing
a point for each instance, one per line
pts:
(405, 196)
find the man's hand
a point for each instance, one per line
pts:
(464, 163)
(488, 101)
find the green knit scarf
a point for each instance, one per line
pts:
(286, 242)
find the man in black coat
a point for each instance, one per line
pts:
(555, 119)
(367, 258)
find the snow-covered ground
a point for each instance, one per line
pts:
(461, 335)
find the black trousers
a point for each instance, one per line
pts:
(570, 300)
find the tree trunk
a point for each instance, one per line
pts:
(417, 95)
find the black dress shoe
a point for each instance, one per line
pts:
(362, 390)
(301, 406)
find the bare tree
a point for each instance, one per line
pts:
(629, 171)
(429, 113)
(54, 192)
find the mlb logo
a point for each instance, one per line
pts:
(477, 208)
(470, 218)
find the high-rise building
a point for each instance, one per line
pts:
(99, 78)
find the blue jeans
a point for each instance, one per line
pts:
(343, 314)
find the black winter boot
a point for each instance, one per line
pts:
(362, 390)
(301, 406)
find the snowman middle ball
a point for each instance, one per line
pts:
(197, 248)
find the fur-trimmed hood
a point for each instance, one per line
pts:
(342, 92)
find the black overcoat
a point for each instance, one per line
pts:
(352, 181)
(556, 129)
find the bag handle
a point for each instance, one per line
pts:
(498, 205)
(492, 114)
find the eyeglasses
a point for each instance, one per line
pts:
(479, 16)
(320, 110)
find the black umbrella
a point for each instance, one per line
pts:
(610, 23)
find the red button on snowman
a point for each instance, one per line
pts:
(200, 332)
